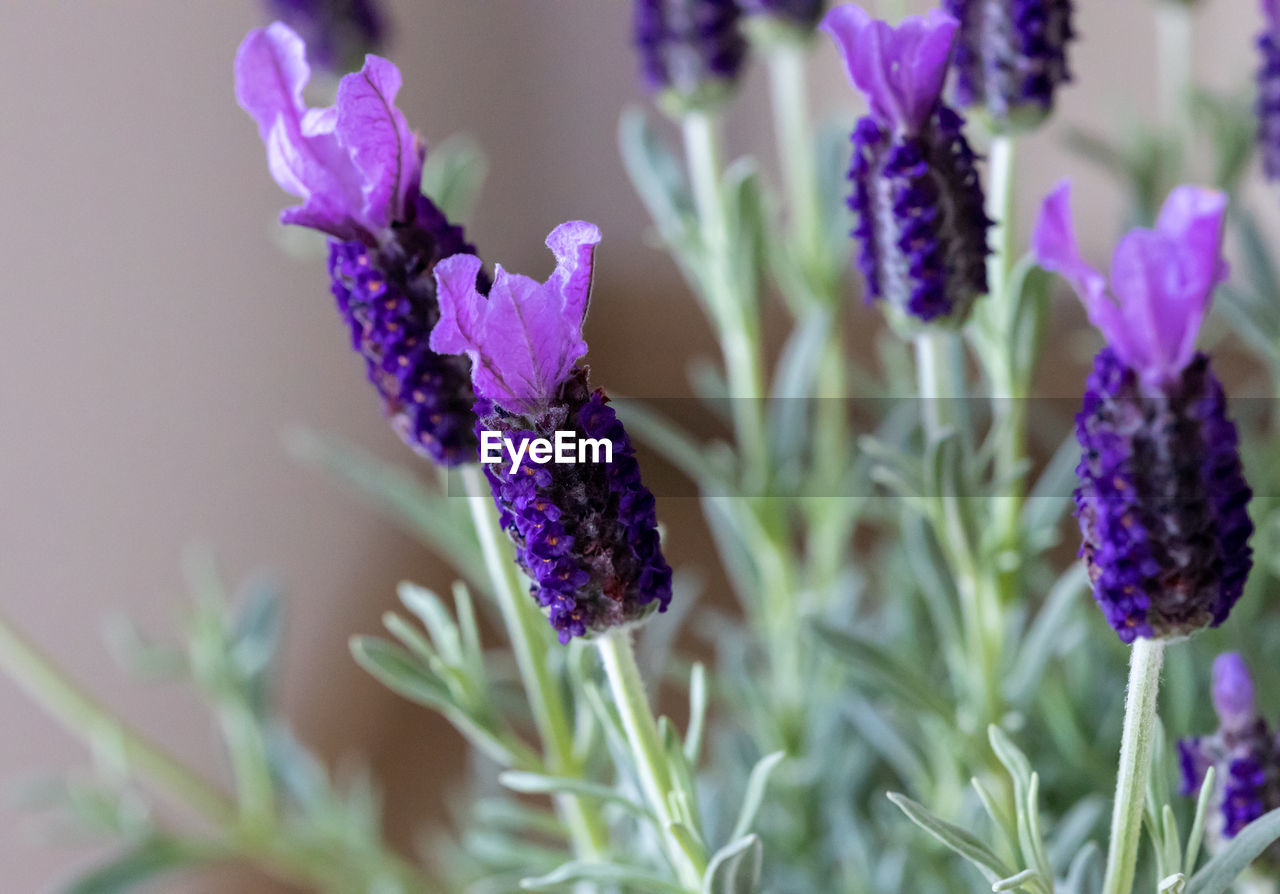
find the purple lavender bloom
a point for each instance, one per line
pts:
(1267, 105)
(804, 14)
(916, 191)
(1244, 753)
(357, 168)
(691, 51)
(1162, 502)
(586, 533)
(338, 33)
(1010, 57)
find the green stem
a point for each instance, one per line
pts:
(524, 625)
(732, 313)
(627, 687)
(1174, 61)
(23, 663)
(1135, 765)
(795, 151)
(940, 372)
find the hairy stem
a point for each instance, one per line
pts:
(524, 625)
(732, 312)
(627, 687)
(1135, 765)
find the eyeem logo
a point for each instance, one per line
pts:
(567, 449)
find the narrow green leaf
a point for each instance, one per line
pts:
(1085, 874)
(697, 712)
(453, 175)
(882, 669)
(1196, 837)
(125, 873)
(540, 784)
(735, 868)
(1220, 872)
(1027, 878)
(753, 796)
(604, 873)
(957, 839)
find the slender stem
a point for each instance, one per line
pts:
(732, 312)
(940, 372)
(789, 97)
(32, 671)
(1174, 60)
(1135, 765)
(627, 687)
(524, 622)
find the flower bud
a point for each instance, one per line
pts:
(691, 51)
(1010, 57)
(1162, 502)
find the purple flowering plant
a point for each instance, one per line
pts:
(891, 606)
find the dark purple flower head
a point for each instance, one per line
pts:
(585, 532)
(1244, 753)
(1162, 502)
(1010, 57)
(691, 51)
(387, 296)
(356, 165)
(338, 33)
(916, 191)
(1267, 104)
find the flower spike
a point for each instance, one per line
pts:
(1162, 502)
(585, 532)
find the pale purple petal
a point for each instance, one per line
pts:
(354, 165)
(1164, 278)
(1053, 243)
(383, 149)
(303, 155)
(524, 339)
(1192, 219)
(1233, 691)
(902, 69)
(1271, 9)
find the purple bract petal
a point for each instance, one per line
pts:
(1233, 691)
(1161, 279)
(354, 165)
(524, 339)
(902, 69)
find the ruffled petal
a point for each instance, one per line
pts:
(1054, 245)
(381, 145)
(901, 70)
(524, 339)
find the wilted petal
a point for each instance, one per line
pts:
(524, 339)
(901, 70)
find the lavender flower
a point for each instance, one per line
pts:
(691, 51)
(1244, 753)
(916, 191)
(357, 167)
(1162, 503)
(1010, 57)
(586, 533)
(338, 32)
(804, 14)
(1268, 102)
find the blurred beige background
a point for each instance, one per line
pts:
(158, 341)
